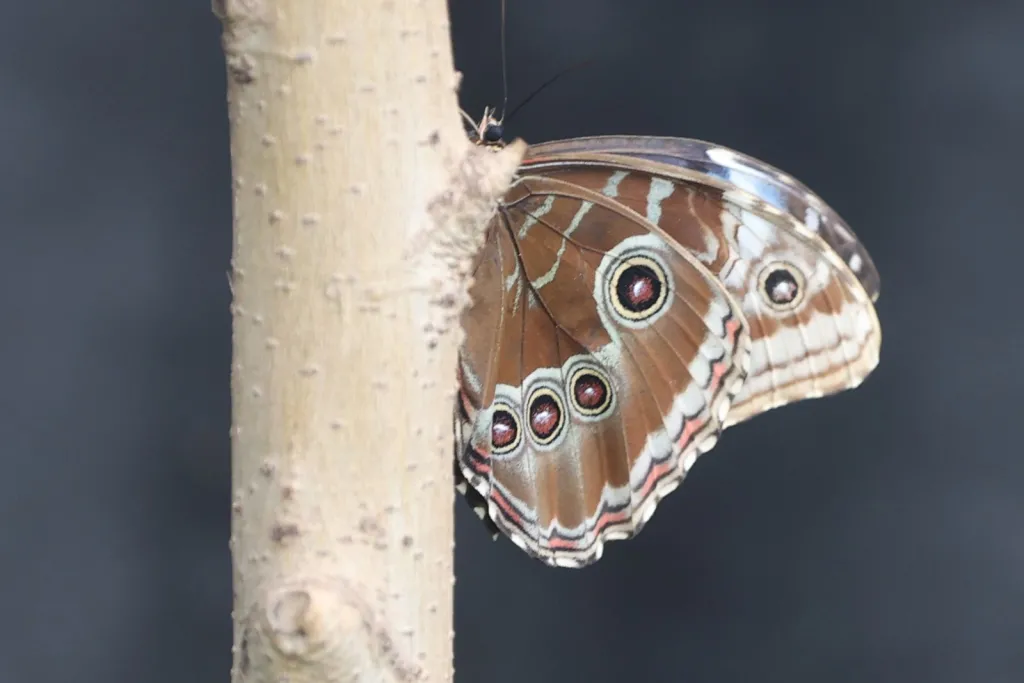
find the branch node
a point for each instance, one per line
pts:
(327, 629)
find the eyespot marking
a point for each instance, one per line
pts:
(506, 433)
(590, 392)
(782, 286)
(638, 288)
(546, 415)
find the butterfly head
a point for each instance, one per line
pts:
(489, 131)
(492, 132)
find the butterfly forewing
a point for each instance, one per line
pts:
(616, 359)
(726, 168)
(812, 323)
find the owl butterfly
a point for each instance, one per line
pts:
(634, 297)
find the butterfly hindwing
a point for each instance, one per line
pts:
(600, 359)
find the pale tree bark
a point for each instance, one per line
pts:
(359, 203)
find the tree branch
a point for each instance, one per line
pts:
(359, 204)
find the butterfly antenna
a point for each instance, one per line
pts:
(504, 66)
(548, 82)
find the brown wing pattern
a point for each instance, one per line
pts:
(813, 326)
(600, 360)
(713, 165)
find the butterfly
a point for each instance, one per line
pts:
(634, 297)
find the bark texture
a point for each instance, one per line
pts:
(359, 203)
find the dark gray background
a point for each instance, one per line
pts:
(871, 536)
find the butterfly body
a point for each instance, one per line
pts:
(634, 297)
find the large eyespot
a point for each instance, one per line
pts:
(506, 432)
(590, 391)
(546, 415)
(638, 288)
(781, 285)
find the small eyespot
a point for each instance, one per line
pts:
(638, 288)
(546, 415)
(505, 431)
(781, 286)
(590, 392)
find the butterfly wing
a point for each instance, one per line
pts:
(600, 359)
(726, 168)
(813, 326)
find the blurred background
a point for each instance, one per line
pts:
(873, 536)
